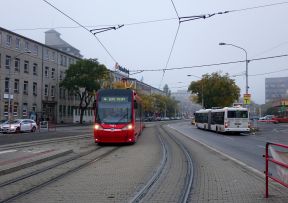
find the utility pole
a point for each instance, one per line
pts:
(9, 83)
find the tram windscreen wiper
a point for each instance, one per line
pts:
(123, 116)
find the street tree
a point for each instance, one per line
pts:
(83, 79)
(217, 90)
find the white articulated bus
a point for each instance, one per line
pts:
(227, 119)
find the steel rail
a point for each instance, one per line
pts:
(190, 174)
(43, 142)
(146, 188)
(39, 171)
(58, 177)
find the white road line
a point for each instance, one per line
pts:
(8, 151)
(261, 146)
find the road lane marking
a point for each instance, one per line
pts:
(261, 146)
(8, 151)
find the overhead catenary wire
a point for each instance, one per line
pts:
(155, 20)
(103, 46)
(151, 21)
(208, 65)
(175, 9)
(167, 62)
(261, 6)
(104, 29)
(180, 20)
(173, 44)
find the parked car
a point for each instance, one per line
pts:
(2, 121)
(268, 119)
(193, 121)
(18, 125)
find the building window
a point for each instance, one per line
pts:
(46, 54)
(46, 91)
(53, 56)
(68, 110)
(35, 88)
(6, 88)
(61, 60)
(53, 91)
(16, 86)
(17, 64)
(65, 61)
(62, 93)
(34, 107)
(46, 73)
(61, 75)
(26, 66)
(6, 109)
(35, 69)
(71, 61)
(18, 43)
(26, 46)
(25, 88)
(8, 61)
(8, 40)
(60, 110)
(25, 109)
(64, 110)
(53, 73)
(35, 49)
(15, 109)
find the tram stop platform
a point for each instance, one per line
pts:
(12, 160)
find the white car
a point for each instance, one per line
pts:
(19, 125)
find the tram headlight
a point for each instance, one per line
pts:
(98, 127)
(128, 127)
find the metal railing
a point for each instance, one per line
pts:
(279, 163)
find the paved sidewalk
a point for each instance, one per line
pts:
(219, 179)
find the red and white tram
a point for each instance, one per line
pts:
(118, 116)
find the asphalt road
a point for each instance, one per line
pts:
(58, 132)
(247, 148)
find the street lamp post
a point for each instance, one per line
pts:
(202, 95)
(246, 60)
(9, 86)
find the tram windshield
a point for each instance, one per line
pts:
(114, 113)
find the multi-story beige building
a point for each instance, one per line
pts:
(30, 74)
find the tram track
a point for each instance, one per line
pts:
(47, 175)
(44, 142)
(153, 186)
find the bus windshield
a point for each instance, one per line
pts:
(113, 113)
(237, 114)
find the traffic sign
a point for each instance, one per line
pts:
(247, 98)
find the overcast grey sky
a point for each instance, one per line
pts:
(261, 32)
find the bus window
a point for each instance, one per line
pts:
(237, 114)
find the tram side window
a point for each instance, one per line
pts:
(138, 110)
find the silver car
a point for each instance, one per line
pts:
(19, 125)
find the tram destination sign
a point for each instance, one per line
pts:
(114, 99)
